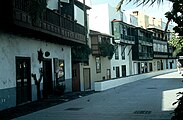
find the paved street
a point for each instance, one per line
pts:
(148, 99)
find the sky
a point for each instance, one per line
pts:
(156, 10)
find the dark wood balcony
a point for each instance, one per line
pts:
(52, 24)
(145, 41)
(161, 39)
(95, 49)
(127, 39)
(145, 56)
(161, 54)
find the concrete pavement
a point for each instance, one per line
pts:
(147, 99)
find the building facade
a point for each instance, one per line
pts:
(102, 22)
(36, 46)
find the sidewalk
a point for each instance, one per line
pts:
(40, 105)
(147, 99)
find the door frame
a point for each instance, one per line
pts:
(29, 95)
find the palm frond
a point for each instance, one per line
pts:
(176, 52)
(139, 2)
(118, 7)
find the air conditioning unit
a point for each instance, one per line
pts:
(65, 1)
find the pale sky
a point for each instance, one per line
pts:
(156, 11)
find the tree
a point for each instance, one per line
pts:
(177, 42)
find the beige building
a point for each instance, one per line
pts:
(146, 21)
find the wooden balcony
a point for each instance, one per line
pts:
(145, 41)
(145, 56)
(53, 24)
(161, 54)
(95, 49)
(127, 39)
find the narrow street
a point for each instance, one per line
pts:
(148, 99)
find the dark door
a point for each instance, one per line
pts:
(23, 80)
(123, 70)
(139, 67)
(75, 77)
(117, 72)
(47, 78)
(150, 67)
(161, 65)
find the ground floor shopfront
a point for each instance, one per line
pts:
(153, 65)
(21, 58)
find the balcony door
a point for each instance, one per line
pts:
(23, 80)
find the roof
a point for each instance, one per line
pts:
(92, 32)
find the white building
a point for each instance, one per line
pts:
(101, 17)
(38, 49)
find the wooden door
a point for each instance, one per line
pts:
(75, 77)
(23, 80)
(86, 77)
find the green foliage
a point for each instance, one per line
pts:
(177, 42)
(81, 53)
(176, 14)
(106, 49)
(178, 111)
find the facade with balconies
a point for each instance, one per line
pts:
(124, 38)
(142, 51)
(162, 51)
(37, 39)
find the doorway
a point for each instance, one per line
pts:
(47, 78)
(87, 81)
(75, 77)
(117, 72)
(23, 80)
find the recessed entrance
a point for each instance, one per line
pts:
(23, 80)
(47, 78)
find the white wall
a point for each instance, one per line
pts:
(12, 46)
(120, 62)
(105, 85)
(101, 17)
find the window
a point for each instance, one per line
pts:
(117, 53)
(60, 71)
(98, 64)
(123, 52)
(140, 48)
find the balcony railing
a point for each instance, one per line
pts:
(52, 23)
(145, 41)
(145, 56)
(158, 38)
(95, 49)
(161, 54)
(127, 39)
